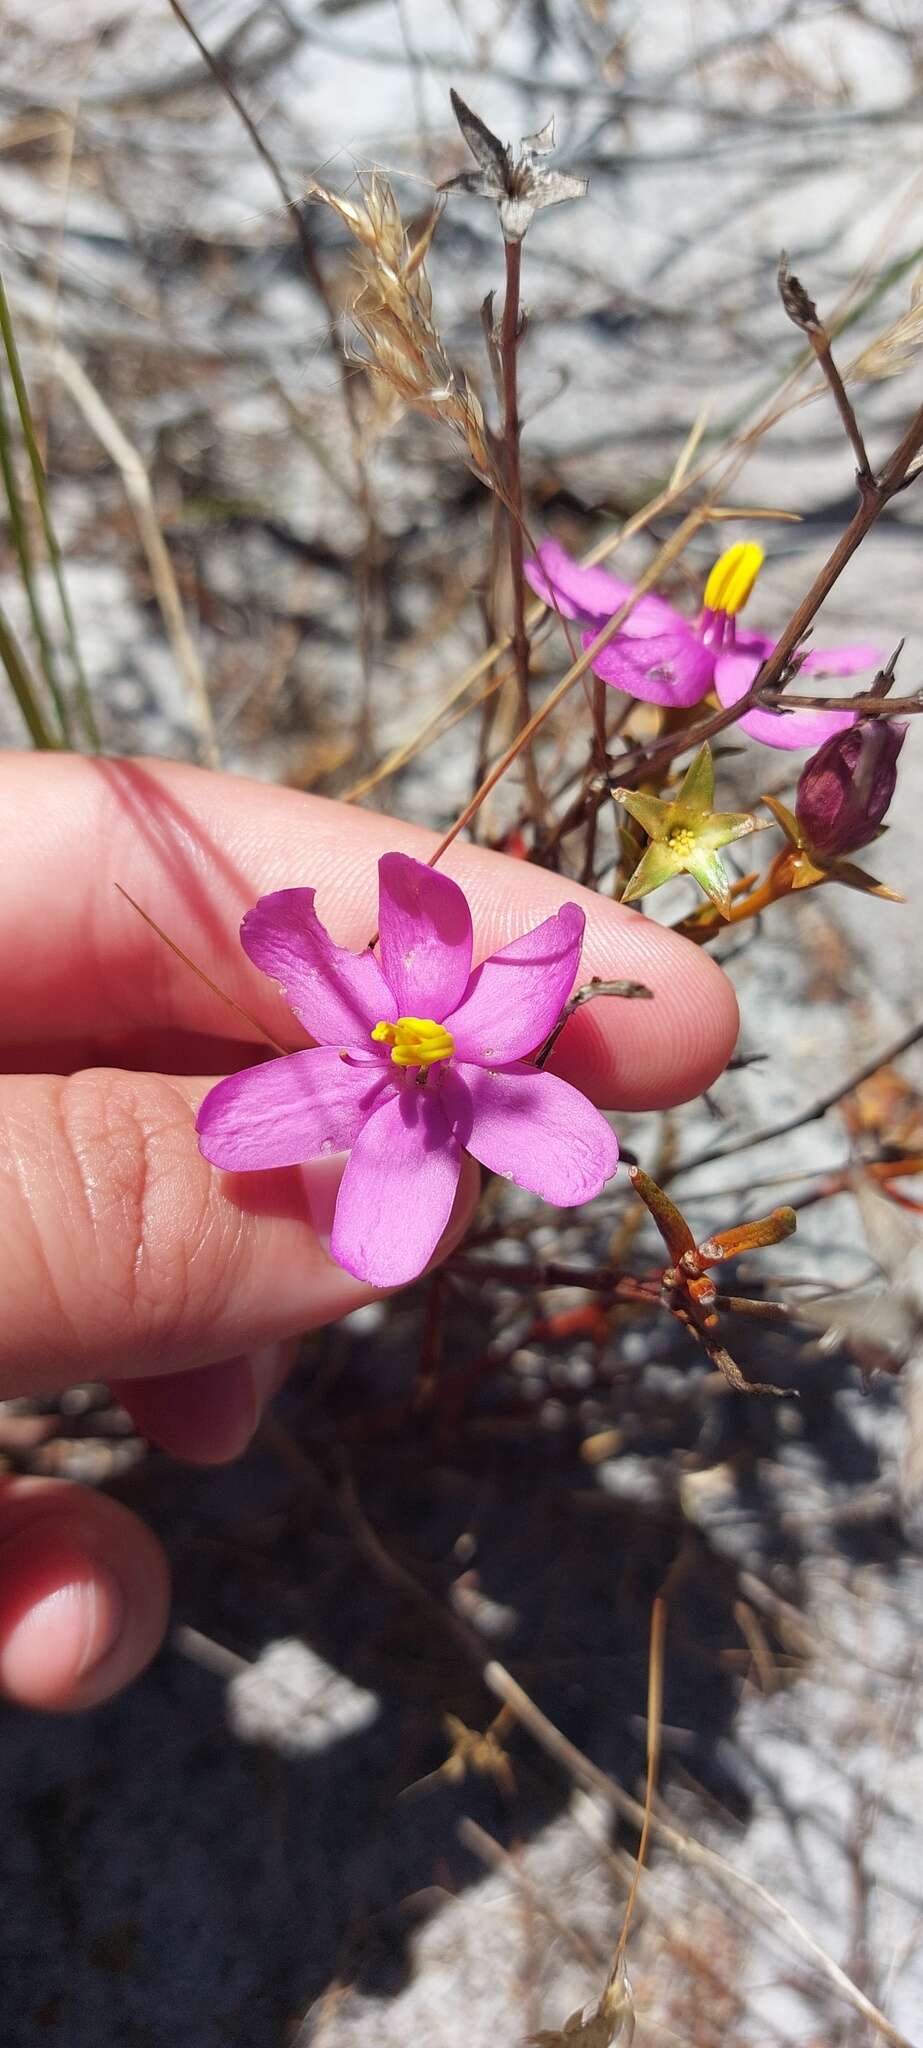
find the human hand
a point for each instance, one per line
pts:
(123, 1255)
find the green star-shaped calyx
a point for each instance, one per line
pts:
(685, 835)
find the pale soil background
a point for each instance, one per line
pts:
(223, 1857)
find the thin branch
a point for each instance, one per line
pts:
(892, 707)
(629, 990)
(222, 77)
(509, 352)
(891, 479)
(803, 314)
(367, 564)
(810, 1115)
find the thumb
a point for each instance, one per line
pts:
(130, 1257)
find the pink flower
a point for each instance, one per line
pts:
(417, 1060)
(660, 656)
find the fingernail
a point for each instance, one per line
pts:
(61, 1614)
(268, 1369)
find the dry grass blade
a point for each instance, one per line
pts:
(765, 1907)
(221, 993)
(763, 1903)
(140, 496)
(611, 2017)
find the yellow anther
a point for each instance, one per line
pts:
(415, 1041)
(733, 576)
(681, 840)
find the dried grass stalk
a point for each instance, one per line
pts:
(893, 351)
(403, 354)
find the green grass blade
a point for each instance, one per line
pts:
(20, 537)
(22, 685)
(41, 493)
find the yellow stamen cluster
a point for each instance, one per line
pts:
(733, 576)
(415, 1041)
(681, 840)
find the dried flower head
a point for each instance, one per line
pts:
(393, 313)
(519, 187)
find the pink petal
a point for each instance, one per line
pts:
(735, 670)
(426, 937)
(516, 996)
(397, 1192)
(794, 729)
(534, 1129)
(790, 730)
(745, 642)
(593, 594)
(288, 1110)
(666, 668)
(841, 661)
(337, 995)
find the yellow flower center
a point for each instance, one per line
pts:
(415, 1041)
(733, 576)
(681, 840)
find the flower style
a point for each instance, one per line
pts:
(661, 656)
(685, 836)
(418, 1059)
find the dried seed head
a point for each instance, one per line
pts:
(518, 187)
(796, 301)
(894, 350)
(610, 2019)
(403, 351)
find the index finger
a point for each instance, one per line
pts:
(196, 850)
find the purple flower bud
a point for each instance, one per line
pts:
(846, 787)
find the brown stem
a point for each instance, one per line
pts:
(512, 430)
(820, 343)
(803, 313)
(811, 1115)
(892, 707)
(552, 1273)
(669, 553)
(704, 924)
